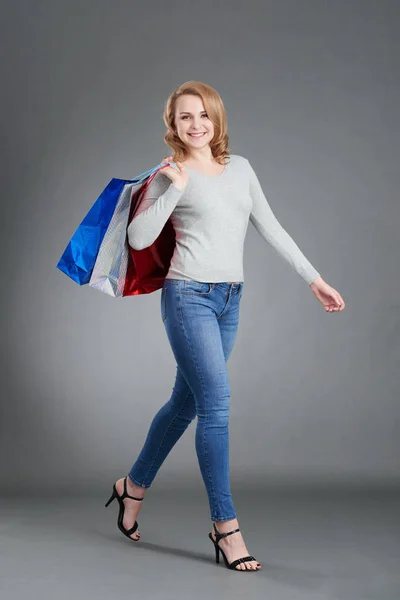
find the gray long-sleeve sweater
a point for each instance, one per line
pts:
(210, 218)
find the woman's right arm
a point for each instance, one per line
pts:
(155, 208)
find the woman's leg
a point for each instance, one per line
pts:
(167, 426)
(196, 314)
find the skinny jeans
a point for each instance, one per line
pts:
(201, 321)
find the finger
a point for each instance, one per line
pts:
(336, 300)
(340, 300)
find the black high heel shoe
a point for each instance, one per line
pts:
(127, 532)
(234, 563)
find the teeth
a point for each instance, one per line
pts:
(196, 134)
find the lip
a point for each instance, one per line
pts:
(197, 133)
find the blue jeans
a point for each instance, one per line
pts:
(201, 321)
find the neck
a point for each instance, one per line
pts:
(203, 155)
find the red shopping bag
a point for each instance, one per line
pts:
(147, 268)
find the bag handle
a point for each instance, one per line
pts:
(146, 174)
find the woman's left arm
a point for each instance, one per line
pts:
(264, 220)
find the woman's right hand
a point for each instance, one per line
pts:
(179, 178)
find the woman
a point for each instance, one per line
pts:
(209, 195)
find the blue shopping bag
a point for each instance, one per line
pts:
(79, 257)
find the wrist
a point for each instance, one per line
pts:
(317, 280)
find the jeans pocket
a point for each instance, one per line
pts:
(164, 303)
(198, 288)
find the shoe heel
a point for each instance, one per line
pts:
(113, 495)
(217, 548)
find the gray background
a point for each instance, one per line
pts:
(312, 95)
(311, 90)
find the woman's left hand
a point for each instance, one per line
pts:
(330, 299)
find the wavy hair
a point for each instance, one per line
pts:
(216, 113)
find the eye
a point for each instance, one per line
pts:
(187, 116)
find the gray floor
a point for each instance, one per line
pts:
(313, 544)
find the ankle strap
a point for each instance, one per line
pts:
(126, 492)
(219, 536)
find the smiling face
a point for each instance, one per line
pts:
(191, 118)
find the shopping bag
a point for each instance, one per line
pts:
(109, 270)
(119, 269)
(78, 258)
(147, 268)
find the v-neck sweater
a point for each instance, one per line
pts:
(210, 219)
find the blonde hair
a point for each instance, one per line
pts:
(216, 113)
